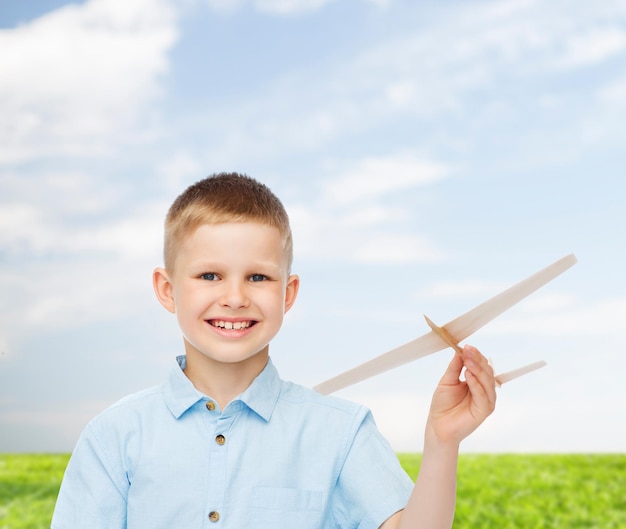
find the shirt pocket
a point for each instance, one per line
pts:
(288, 508)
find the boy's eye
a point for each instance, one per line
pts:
(209, 276)
(257, 277)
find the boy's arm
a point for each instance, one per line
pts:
(457, 409)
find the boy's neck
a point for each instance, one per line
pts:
(223, 381)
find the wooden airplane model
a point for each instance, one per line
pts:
(452, 332)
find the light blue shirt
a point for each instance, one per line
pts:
(278, 456)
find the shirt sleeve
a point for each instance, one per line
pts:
(372, 485)
(93, 491)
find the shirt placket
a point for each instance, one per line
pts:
(218, 441)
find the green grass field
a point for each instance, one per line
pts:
(28, 489)
(494, 491)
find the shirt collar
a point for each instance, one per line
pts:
(263, 393)
(261, 396)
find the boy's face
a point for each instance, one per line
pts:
(230, 289)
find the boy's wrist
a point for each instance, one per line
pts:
(437, 444)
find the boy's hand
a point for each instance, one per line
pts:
(460, 406)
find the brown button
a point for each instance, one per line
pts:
(214, 516)
(220, 439)
(210, 405)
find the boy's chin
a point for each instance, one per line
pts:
(223, 358)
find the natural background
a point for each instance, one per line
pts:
(499, 491)
(430, 154)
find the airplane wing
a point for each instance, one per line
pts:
(460, 328)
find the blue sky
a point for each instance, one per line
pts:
(430, 155)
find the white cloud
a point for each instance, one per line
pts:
(284, 7)
(70, 257)
(374, 177)
(325, 236)
(394, 248)
(594, 46)
(273, 7)
(362, 214)
(603, 318)
(373, 215)
(72, 292)
(225, 6)
(19, 223)
(75, 214)
(281, 7)
(178, 169)
(614, 93)
(548, 302)
(603, 124)
(401, 93)
(75, 81)
(332, 234)
(136, 236)
(59, 192)
(460, 289)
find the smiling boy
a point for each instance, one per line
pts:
(225, 443)
(229, 288)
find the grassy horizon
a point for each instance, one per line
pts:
(503, 491)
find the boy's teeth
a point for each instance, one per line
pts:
(229, 325)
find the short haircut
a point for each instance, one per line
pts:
(221, 198)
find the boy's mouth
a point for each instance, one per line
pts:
(232, 325)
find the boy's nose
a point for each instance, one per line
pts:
(234, 295)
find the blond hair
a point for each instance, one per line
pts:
(220, 198)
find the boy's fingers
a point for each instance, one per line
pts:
(453, 371)
(481, 379)
(482, 395)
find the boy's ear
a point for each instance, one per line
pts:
(293, 284)
(163, 289)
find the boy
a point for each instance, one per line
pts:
(225, 443)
